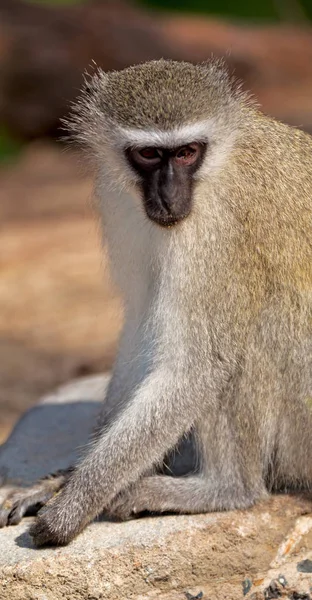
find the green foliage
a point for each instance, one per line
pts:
(257, 8)
(9, 146)
(270, 10)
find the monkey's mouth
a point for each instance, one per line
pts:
(166, 216)
(166, 220)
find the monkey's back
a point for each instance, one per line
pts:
(274, 162)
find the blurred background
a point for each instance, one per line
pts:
(59, 315)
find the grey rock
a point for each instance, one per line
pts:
(247, 584)
(50, 435)
(305, 566)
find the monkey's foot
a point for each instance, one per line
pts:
(28, 501)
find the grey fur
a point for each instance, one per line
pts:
(134, 97)
(218, 310)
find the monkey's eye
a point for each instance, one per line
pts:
(150, 153)
(147, 156)
(187, 155)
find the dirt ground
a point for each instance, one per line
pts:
(59, 315)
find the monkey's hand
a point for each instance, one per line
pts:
(60, 520)
(48, 530)
(28, 501)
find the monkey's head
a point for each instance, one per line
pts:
(160, 128)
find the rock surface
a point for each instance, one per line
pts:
(212, 556)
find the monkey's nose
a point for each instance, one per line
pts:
(168, 201)
(167, 210)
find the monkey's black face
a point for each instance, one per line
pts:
(167, 179)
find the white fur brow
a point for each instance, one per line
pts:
(174, 137)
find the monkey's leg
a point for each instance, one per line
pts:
(293, 455)
(230, 476)
(23, 501)
(137, 439)
(162, 493)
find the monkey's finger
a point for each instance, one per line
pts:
(4, 514)
(21, 502)
(16, 514)
(28, 505)
(15, 508)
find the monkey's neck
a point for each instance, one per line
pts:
(171, 280)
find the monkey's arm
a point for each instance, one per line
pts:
(138, 439)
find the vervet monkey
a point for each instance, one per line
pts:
(212, 253)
